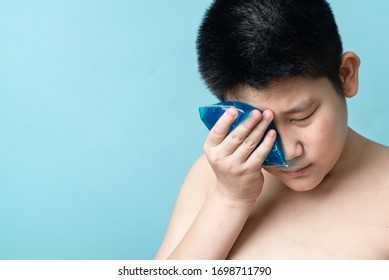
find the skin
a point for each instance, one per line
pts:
(332, 203)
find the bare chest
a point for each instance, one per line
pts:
(350, 225)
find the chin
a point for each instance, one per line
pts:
(302, 184)
(301, 187)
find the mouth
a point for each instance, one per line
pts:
(295, 171)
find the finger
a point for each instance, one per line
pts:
(254, 138)
(219, 131)
(235, 139)
(259, 155)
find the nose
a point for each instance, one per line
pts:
(293, 148)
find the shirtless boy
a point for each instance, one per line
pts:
(284, 57)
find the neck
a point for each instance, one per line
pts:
(355, 148)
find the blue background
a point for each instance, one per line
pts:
(99, 121)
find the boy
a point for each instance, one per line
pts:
(332, 202)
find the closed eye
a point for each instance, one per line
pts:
(303, 120)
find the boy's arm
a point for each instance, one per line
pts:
(191, 198)
(204, 223)
(206, 226)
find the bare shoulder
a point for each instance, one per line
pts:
(201, 176)
(379, 162)
(375, 173)
(383, 151)
(379, 194)
(194, 191)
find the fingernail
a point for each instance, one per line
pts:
(255, 114)
(232, 112)
(267, 115)
(271, 133)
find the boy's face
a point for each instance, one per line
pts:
(311, 118)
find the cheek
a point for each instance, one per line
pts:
(327, 136)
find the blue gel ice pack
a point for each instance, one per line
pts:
(210, 115)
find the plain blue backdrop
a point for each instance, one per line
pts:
(99, 122)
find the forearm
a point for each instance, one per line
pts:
(215, 229)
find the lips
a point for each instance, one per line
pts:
(295, 171)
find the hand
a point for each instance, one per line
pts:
(236, 158)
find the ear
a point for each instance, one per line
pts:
(349, 68)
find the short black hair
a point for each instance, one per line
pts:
(255, 42)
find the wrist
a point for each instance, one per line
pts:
(233, 200)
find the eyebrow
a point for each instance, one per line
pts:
(301, 107)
